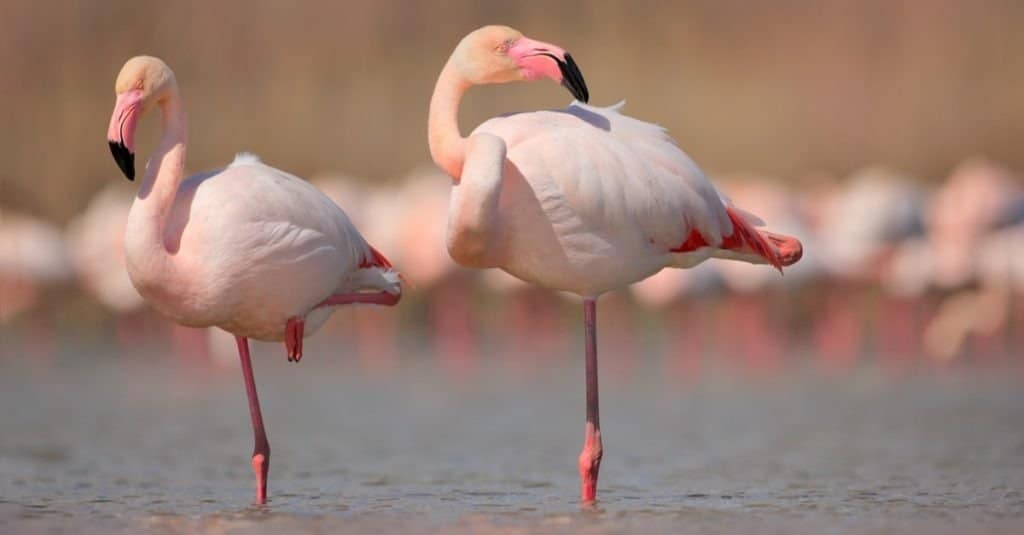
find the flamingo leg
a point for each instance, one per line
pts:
(293, 334)
(375, 298)
(261, 448)
(293, 330)
(590, 457)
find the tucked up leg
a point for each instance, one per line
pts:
(293, 334)
(294, 330)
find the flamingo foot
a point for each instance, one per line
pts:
(261, 465)
(293, 334)
(590, 463)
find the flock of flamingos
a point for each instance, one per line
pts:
(583, 200)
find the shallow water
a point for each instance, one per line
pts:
(97, 443)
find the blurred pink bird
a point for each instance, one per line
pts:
(581, 199)
(749, 309)
(450, 289)
(371, 334)
(96, 242)
(33, 256)
(971, 223)
(864, 225)
(33, 262)
(975, 200)
(248, 248)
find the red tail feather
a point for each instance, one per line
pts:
(745, 236)
(777, 249)
(377, 259)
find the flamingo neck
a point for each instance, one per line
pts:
(447, 146)
(159, 187)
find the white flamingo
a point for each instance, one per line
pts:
(248, 248)
(581, 199)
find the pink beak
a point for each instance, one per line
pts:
(121, 133)
(537, 59)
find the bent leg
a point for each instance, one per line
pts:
(376, 298)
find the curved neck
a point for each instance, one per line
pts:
(447, 146)
(164, 173)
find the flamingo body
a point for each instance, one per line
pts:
(259, 246)
(593, 200)
(248, 248)
(582, 199)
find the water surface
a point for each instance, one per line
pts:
(97, 441)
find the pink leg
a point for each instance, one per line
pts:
(261, 449)
(293, 330)
(378, 298)
(293, 334)
(590, 457)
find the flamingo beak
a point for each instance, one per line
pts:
(537, 59)
(572, 79)
(121, 133)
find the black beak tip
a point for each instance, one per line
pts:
(125, 159)
(572, 79)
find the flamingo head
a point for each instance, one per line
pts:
(499, 54)
(142, 81)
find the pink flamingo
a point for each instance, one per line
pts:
(580, 199)
(33, 261)
(865, 227)
(33, 256)
(96, 245)
(371, 334)
(970, 223)
(748, 308)
(683, 295)
(96, 241)
(1001, 272)
(975, 198)
(248, 248)
(450, 317)
(525, 318)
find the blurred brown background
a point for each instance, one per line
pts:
(783, 87)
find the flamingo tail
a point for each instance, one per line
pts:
(748, 243)
(377, 262)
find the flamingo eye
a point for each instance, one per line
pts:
(138, 85)
(504, 46)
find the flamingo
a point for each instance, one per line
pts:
(33, 256)
(581, 199)
(978, 197)
(95, 241)
(971, 221)
(676, 294)
(748, 307)
(451, 320)
(96, 238)
(248, 248)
